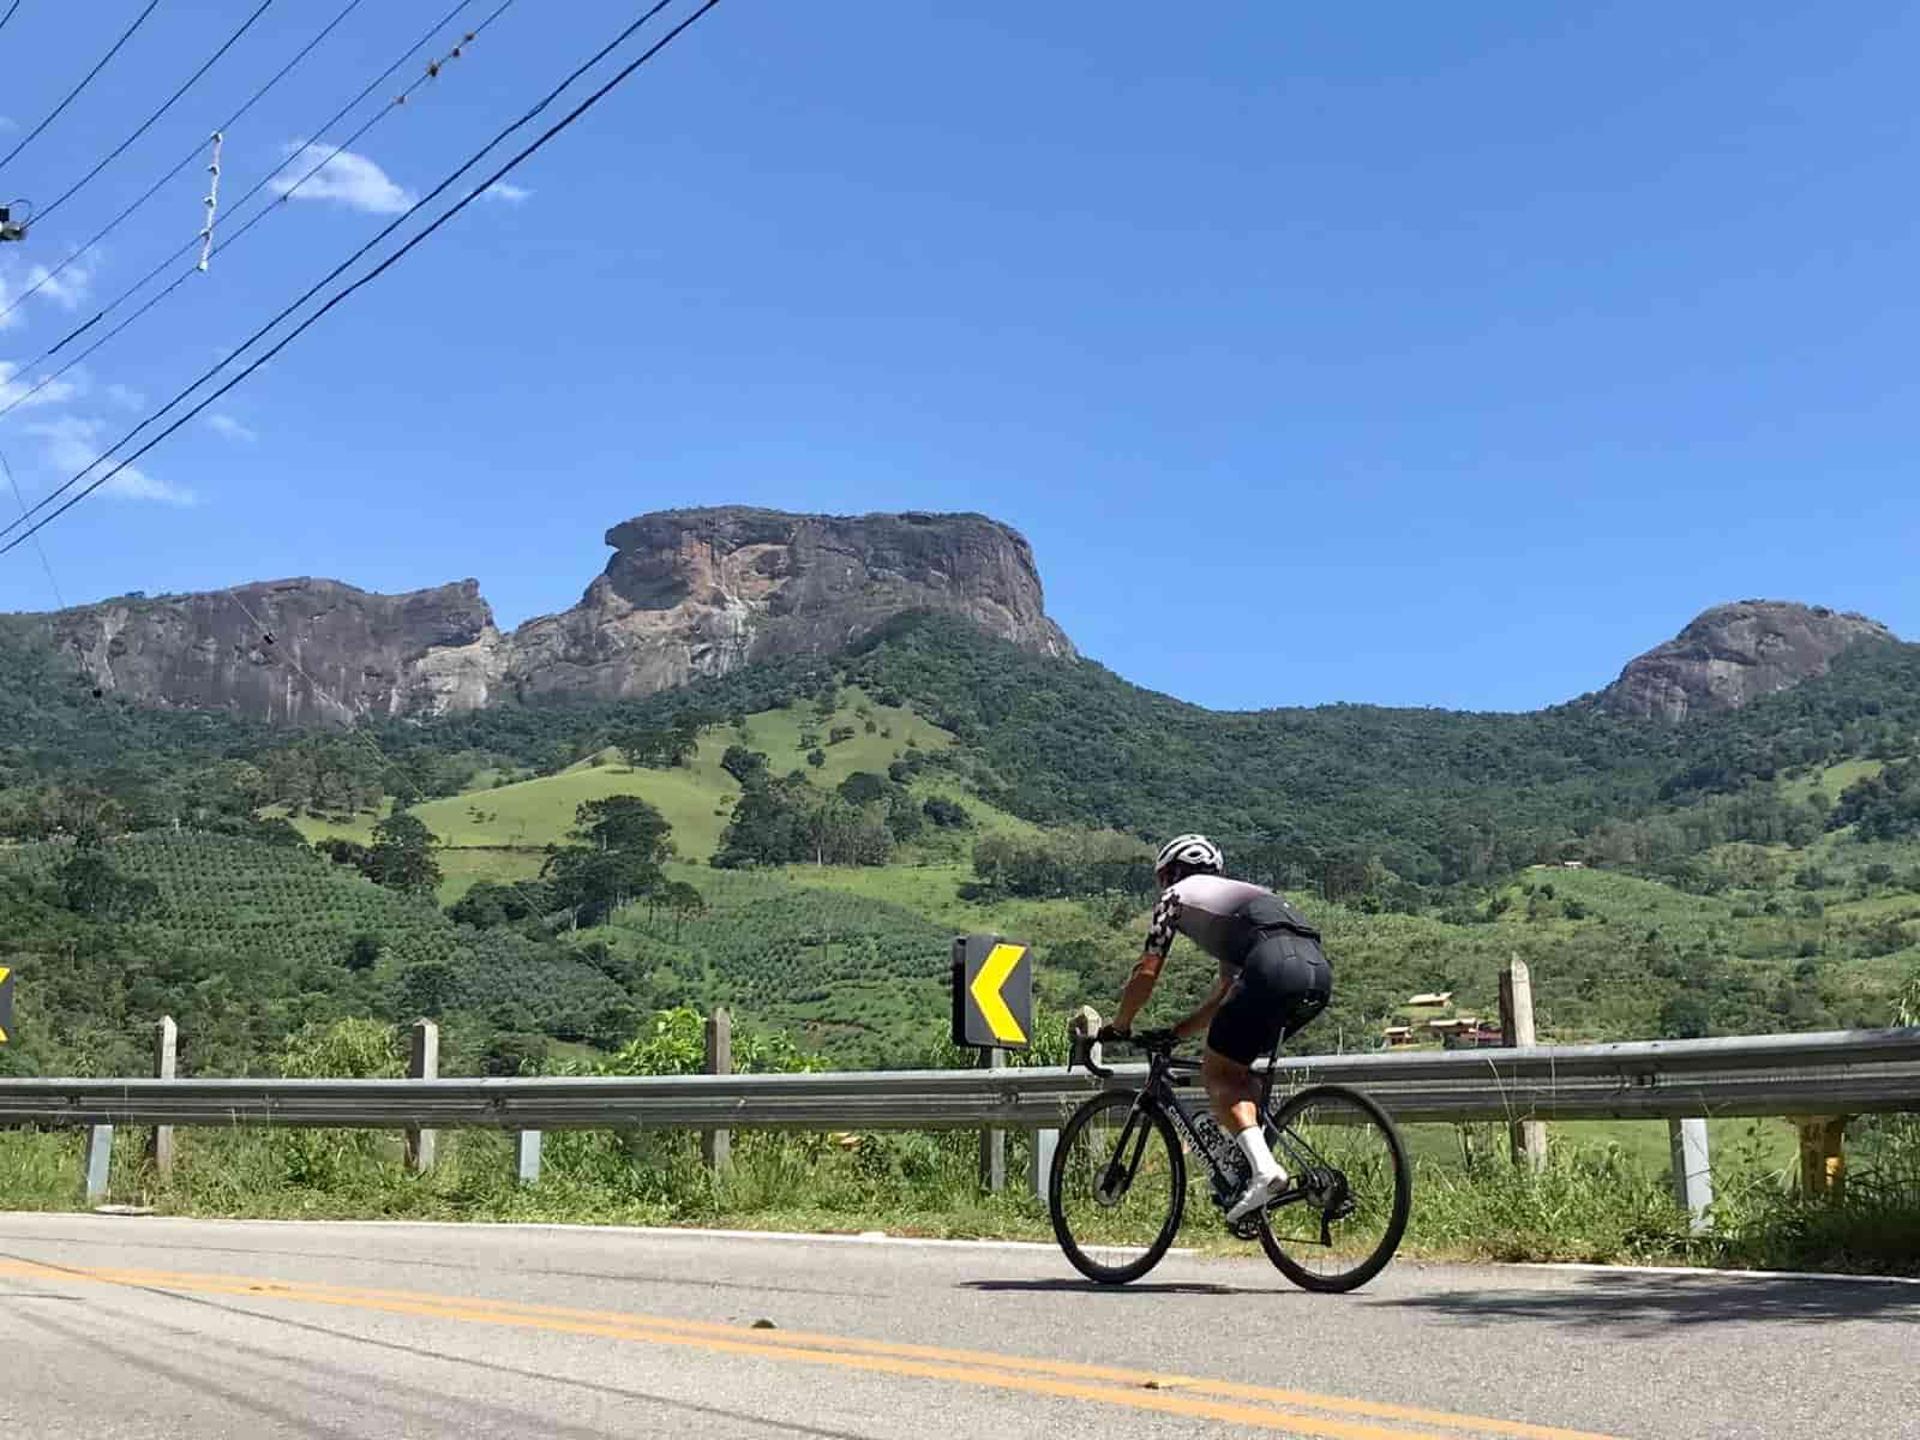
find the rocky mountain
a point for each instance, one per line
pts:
(691, 593)
(688, 593)
(1733, 654)
(292, 651)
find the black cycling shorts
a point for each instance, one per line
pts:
(1284, 983)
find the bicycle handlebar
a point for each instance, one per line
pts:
(1152, 1042)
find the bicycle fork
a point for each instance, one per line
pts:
(1117, 1179)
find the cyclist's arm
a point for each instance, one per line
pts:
(1203, 1017)
(1139, 989)
(1146, 970)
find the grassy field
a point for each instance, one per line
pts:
(1831, 780)
(695, 798)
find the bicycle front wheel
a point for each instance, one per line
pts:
(1352, 1190)
(1118, 1187)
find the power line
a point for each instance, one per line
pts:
(45, 564)
(475, 193)
(195, 153)
(86, 80)
(9, 15)
(40, 215)
(432, 73)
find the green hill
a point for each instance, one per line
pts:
(1723, 886)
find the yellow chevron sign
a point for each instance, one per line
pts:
(6, 1003)
(992, 993)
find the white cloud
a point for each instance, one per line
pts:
(226, 425)
(353, 180)
(69, 289)
(512, 194)
(23, 393)
(126, 397)
(72, 443)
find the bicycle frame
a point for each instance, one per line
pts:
(1162, 1067)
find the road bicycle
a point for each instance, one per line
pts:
(1118, 1188)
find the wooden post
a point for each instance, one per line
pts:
(716, 1146)
(1527, 1137)
(993, 1143)
(423, 1063)
(1692, 1170)
(526, 1157)
(1823, 1156)
(166, 1043)
(99, 1162)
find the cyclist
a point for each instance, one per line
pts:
(1273, 980)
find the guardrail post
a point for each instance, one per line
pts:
(1823, 1156)
(1045, 1142)
(993, 1143)
(716, 1146)
(1527, 1137)
(526, 1156)
(1692, 1170)
(166, 1041)
(423, 1063)
(99, 1162)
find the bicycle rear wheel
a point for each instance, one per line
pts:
(1351, 1193)
(1118, 1187)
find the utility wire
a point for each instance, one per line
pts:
(45, 564)
(338, 297)
(184, 161)
(87, 80)
(9, 15)
(40, 215)
(258, 185)
(432, 73)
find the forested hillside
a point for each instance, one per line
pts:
(800, 839)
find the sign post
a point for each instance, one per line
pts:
(6, 1004)
(992, 1013)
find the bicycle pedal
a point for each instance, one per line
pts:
(1247, 1227)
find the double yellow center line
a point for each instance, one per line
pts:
(1297, 1412)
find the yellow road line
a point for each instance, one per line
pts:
(1172, 1394)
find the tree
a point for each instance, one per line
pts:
(364, 952)
(623, 822)
(90, 885)
(816, 758)
(946, 814)
(401, 857)
(595, 883)
(746, 766)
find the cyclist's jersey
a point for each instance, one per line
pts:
(1226, 918)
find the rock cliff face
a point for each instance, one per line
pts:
(293, 651)
(1733, 654)
(688, 593)
(693, 593)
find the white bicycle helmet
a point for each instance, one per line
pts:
(1195, 851)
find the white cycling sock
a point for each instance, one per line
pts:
(1253, 1140)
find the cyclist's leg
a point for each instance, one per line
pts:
(1248, 1024)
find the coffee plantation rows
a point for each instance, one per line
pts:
(860, 978)
(220, 892)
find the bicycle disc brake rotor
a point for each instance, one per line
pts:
(1329, 1193)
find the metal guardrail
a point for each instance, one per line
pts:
(1830, 1073)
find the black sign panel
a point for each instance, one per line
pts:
(992, 993)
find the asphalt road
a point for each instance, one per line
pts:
(121, 1327)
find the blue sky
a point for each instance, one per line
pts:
(1420, 355)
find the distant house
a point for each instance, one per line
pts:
(1437, 997)
(1399, 1034)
